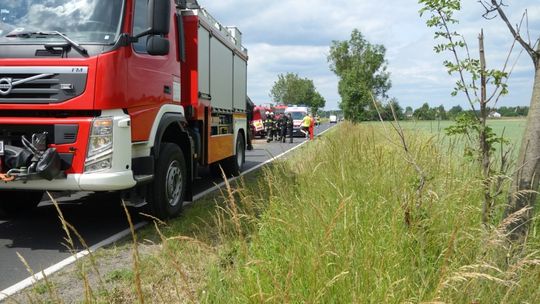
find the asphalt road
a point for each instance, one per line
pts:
(39, 238)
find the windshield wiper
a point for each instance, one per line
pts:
(73, 43)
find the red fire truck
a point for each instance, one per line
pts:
(117, 95)
(259, 116)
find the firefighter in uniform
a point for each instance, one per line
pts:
(275, 127)
(277, 121)
(269, 125)
(283, 120)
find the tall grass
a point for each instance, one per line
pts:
(334, 230)
(339, 221)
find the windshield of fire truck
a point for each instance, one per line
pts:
(85, 21)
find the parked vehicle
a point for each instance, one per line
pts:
(132, 96)
(333, 119)
(258, 121)
(297, 113)
(279, 109)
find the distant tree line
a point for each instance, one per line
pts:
(426, 112)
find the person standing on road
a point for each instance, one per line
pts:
(251, 130)
(283, 121)
(306, 122)
(275, 121)
(269, 126)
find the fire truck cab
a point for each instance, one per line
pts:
(117, 95)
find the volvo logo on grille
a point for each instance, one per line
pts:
(5, 86)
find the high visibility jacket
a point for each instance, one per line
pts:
(306, 122)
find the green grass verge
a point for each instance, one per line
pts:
(344, 223)
(339, 221)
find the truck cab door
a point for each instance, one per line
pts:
(153, 81)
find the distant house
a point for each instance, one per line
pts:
(494, 114)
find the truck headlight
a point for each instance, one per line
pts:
(101, 136)
(100, 145)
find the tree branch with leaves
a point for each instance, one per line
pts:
(470, 72)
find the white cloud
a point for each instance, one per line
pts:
(294, 36)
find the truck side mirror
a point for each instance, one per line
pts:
(157, 46)
(159, 12)
(158, 19)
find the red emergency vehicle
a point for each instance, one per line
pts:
(259, 116)
(117, 95)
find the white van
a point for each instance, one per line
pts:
(298, 114)
(333, 119)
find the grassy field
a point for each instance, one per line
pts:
(343, 220)
(511, 128)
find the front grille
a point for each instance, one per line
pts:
(45, 89)
(41, 85)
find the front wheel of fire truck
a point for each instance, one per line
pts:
(15, 203)
(167, 193)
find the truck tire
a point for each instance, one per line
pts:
(169, 186)
(232, 166)
(16, 203)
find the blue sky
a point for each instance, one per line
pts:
(294, 36)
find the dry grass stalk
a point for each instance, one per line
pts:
(136, 258)
(50, 287)
(177, 266)
(448, 253)
(68, 229)
(329, 284)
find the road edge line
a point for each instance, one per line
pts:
(4, 294)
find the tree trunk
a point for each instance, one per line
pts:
(526, 177)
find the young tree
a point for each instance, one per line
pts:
(361, 67)
(473, 81)
(525, 181)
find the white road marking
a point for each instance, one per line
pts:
(70, 260)
(120, 235)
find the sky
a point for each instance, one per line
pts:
(285, 36)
